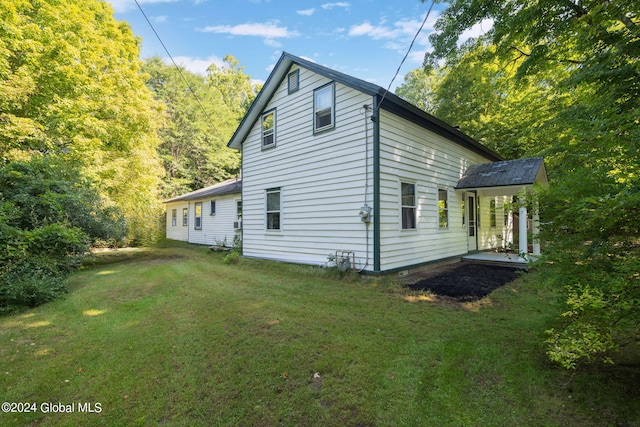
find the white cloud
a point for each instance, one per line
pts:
(398, 35)
(477, 30)
(196, 65)
(159, 19)
(403, 29)
(329, 6)
(269, 30)
(306, 12)
(273, 43)
(120, 6)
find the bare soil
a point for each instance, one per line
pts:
(464, 281)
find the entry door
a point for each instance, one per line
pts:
(472, 228)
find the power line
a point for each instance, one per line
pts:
(406, 54)
(176, 65)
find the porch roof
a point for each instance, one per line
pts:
(505, 177)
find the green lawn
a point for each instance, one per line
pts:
(173, 336)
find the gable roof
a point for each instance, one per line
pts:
(230, 186)
(504, 174)
(390, 102)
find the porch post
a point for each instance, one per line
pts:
(523, 245)
(536, 228)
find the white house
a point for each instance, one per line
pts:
(332, 163)
(209, 216)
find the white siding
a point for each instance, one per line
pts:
(322, 179)
(410, 153)
(178, 231)
(216, 229)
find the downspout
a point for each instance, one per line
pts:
(375, 118)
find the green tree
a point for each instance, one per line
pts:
(200, 115)
(72, 89)
(588, 130)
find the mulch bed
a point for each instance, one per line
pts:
(466, 282)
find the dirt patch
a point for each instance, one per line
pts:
(466, 281)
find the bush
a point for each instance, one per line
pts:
(29, 283)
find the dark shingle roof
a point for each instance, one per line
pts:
(391, 103)
(502, 174)
(230, 186)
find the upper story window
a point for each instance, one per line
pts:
(269, 129)
(324, 108)
(408, 205)
(293, 81)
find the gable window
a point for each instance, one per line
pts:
(213, 207)
(323, 108)
(185, 217)
(273, 209)
(197, 225)
(293, 81)
(492, 213)
(174, 217)
(443, 208)
(269, 129)
(408, 194)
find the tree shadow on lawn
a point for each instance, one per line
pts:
(466, 282)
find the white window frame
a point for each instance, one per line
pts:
(331, 87)
(405, 207)
(174, 217)
(269, 132)
(185, 217)
(270, 213)
(443, 209)
(213, 207)
(197, 219)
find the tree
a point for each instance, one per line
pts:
(72, 89)
(200, 115)
(593, 49)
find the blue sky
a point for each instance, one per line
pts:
(364, 38)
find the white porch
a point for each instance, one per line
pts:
(506, 179)
(506, 259)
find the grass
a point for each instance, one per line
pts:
(173, 336)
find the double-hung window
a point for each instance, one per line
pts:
(269, 129)
(174, 217)
(197, 224)
(443, 208)
(213, 207)
(408, 194)
(324, 108)
(185, 217)
(273, 209)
